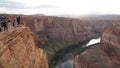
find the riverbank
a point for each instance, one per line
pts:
(66, 60)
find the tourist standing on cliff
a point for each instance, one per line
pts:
(3, 17)
(2, 23)
(5, 25)
(14, 22)
(19, 21)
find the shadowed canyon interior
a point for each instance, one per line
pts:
(45, 39)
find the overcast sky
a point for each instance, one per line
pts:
(60, 7)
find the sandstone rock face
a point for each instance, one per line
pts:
(101, 25)
(19, 49)
(105, 55)
(64, 30)
(111, 41)
(93, 57)
(56, 30)
(56, 33)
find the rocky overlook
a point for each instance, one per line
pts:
(19, 49)
(104, 55)
(59, 33)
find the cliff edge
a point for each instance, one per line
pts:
(19, 49)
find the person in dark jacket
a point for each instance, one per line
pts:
(14, 22)
(5, 25)
(0, 29)
(0, 25)
(2, 20)
(18, 20)
(2, 17)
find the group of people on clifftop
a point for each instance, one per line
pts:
(16, 22)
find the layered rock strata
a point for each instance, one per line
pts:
(19, 49)
(105, 55)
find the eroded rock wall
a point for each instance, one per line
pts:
(19, 49)
(105, 55)
(59, 31)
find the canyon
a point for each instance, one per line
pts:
(103, 55)
(58, 34)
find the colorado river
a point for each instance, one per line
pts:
(66, 61)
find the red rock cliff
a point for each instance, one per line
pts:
(19, 49)
(105, 55)
(65, 30)
(111, 42)
(58, 28)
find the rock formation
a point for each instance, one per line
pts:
(57, 30)
(57, 33)
(111, 41)
(19, 49)
(105, 55)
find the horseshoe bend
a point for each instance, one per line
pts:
(59, 42)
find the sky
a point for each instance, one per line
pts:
(60, 7)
